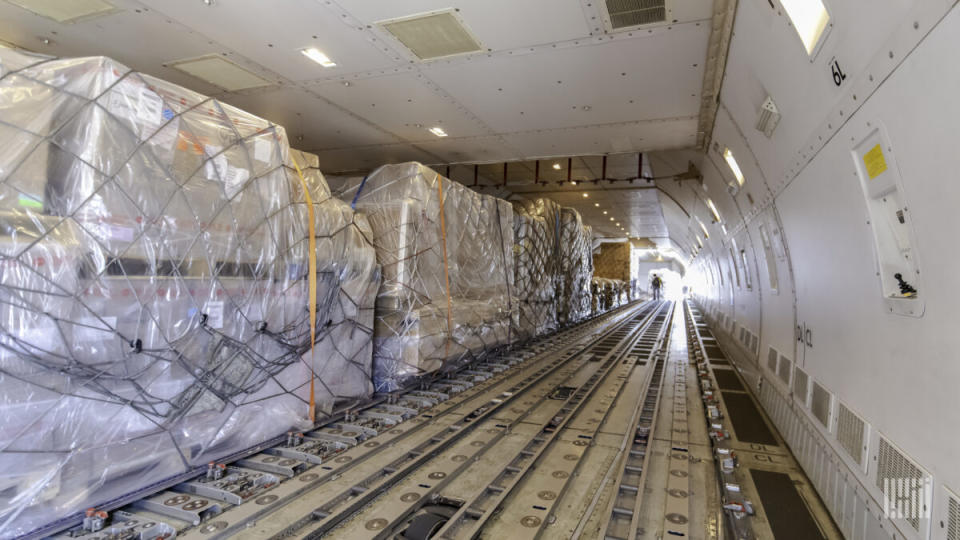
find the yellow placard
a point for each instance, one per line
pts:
(875, 162)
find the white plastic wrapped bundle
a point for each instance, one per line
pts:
(153, 285)
(447, 258)
(536, 227)
(576, 268)
(348, 279)
(608, 294)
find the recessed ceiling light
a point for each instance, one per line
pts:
(573, 182)
(438, 131)
(604, 212)
(556, 166)
(317, 56)
(734, 166)
(618, 224)
(716, 214)
(596, 204)
(611, 219)
(585, 195)
(221, 72)
(66, 12)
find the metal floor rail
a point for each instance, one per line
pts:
(228, 498)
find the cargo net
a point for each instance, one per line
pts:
(536, 229)
(447, 258)
(154, 286)
(607, 294)
(576, 268)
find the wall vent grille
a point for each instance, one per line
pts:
(625, 13)
(850, 433)
(953, 517)
(800, 385)
(820, 404)
(772, 359)
(902, 482)
(784, 371)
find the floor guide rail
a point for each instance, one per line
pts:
(763, 491)
(312, 482)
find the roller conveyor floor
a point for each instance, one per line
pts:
(611, 429)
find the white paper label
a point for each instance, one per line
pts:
(216, 164)
(166, 137)
(137, 104)
(262, 150)
(214, 312)
(234, 179)
(116, 232)
(150, 107)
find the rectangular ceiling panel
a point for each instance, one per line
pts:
(402, 104)
(612, 81)
(273, 33)
(498, 24)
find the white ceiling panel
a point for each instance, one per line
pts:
(399, 102)
(369, 158)
(675, 133)
(128, 36)
(613, 81)
(274, 32)
(498, 24)
(472, 150)
(322, 125)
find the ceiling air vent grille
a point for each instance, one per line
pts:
(626, 13)
(903, 483)
(433, 35)
(784, 371)
(953, 518)
(772, 360)
(800, 385)
(820, 404)
(850, 433)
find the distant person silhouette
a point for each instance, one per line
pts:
(656, 284)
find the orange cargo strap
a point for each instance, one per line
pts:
(312, 288)
(446, 268)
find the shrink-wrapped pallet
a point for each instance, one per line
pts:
(576, 268)
(447, 258)
(154, 286)
(536, 227)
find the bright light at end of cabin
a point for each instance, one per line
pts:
(439, 132)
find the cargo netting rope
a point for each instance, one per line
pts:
(576, 268)
(536, 229)
(446, 254)
(154, 288)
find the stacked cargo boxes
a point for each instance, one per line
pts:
(154, 286)
(448, 279)
(576, 268)
(536, 271)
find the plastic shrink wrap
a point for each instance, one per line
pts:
(576, 268)
(536, 228)
(608, 294)
(446, 254)
(153, 285)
